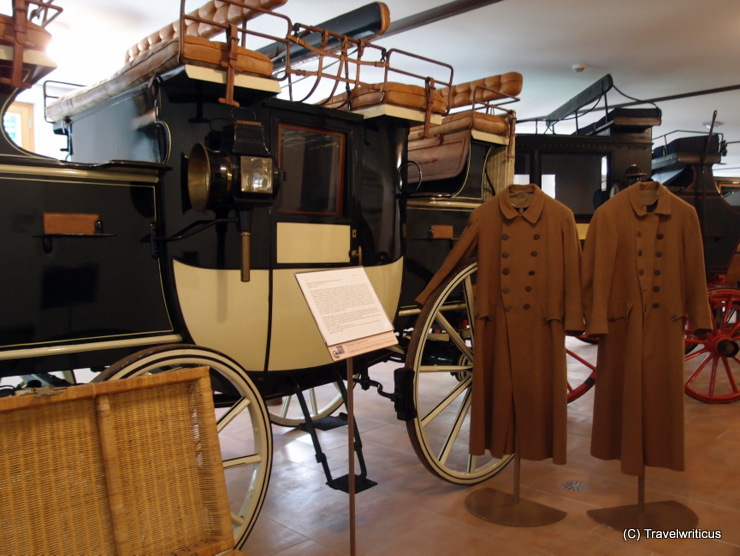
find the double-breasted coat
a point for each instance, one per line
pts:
(643, 272)
(527, 295)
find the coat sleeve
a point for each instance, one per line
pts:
(599, 254)
(461, 251)
(572, 264)
(696, 300)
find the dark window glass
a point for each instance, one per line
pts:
(311, 162)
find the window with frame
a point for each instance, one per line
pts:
(312, 165)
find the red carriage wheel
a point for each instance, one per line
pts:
(580, 384)
(715, 377)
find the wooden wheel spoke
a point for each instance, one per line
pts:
(730, 376)
(469, 300)
(233, 412)
(285, 406)
(451, 396)
(700, 368)
(694, 354)
(249, 459)
(455, 430)
(445, 368)
(713, 376)
(454, 335)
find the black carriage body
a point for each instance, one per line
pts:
(66, 295)
(338, 176)
(581, 170)
(684, 165)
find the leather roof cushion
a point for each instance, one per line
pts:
(200, 50)
(494, 87)
(399, 94)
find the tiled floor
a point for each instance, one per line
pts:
(412, 512)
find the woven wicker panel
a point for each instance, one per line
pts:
(125, 467)
(53, 494)
(171, 483)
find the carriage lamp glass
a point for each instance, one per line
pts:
(256, 175)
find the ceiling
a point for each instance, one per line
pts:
(654, 49)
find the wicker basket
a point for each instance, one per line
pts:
(122, 467)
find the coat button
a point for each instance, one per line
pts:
(656, 305)
(657, 272)
(526, 305)
(536, 236)
(531, 272)
(507, 308)
(659, 254)
(505, 271)
(505, 236)
(656, 288)
(660, 236)
(528, 288)
(639, 233)
(641, 272)
(639, 253)
(505, 290)
(534, 253)
(505, 255)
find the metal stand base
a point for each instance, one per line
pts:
(505, 509)
(509, 509)
(654, 515)
(663, 516)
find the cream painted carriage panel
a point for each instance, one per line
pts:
(224, 313)
(312, 243)
(296, 342)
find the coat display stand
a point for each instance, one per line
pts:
(664, 515)
(510, 509)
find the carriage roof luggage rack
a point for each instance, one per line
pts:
(188, 43)
(22, 42)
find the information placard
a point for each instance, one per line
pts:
(347, 311)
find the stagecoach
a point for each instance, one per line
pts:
(220, 161)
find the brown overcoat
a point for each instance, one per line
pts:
(527, 295)
(643, 271)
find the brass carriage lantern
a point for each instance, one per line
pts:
(239, 174)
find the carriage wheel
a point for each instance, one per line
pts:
(440, 353)
(322, 402)
(242, 421)
(717, 373)
(581, 374)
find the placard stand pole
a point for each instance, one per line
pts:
(351, 444)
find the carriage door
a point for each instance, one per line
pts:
(313, 230)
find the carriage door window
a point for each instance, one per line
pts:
(312, 227)
(313, 174)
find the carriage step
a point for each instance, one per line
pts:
(327, 423)
(342, 483)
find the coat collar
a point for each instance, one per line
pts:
(532, 213)
(663, 203)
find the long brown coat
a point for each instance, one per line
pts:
(527, 296)
(643, 271)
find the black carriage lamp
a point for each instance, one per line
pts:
(239, 174)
